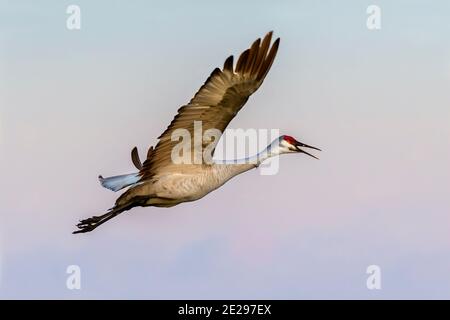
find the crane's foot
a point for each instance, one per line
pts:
(90, 224)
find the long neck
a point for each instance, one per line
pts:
(270, 151)
(227, 169)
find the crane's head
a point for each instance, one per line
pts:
(288, 144)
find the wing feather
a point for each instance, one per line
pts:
(135, 158)
(216, 103)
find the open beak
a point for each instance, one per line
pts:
(299, 144)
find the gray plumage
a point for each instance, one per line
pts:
(162, 183)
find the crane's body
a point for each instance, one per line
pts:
(172, 189)
(192, 183)
(162, 182)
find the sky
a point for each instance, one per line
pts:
(73, 103)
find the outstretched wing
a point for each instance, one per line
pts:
(217, 102)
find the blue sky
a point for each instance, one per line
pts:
(74, 103)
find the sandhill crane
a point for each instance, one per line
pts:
(162, 183)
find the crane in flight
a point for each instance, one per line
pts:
(163, 182)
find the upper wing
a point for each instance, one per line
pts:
(218, 100)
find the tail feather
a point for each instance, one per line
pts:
(117, 183)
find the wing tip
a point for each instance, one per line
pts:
(228, 64)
